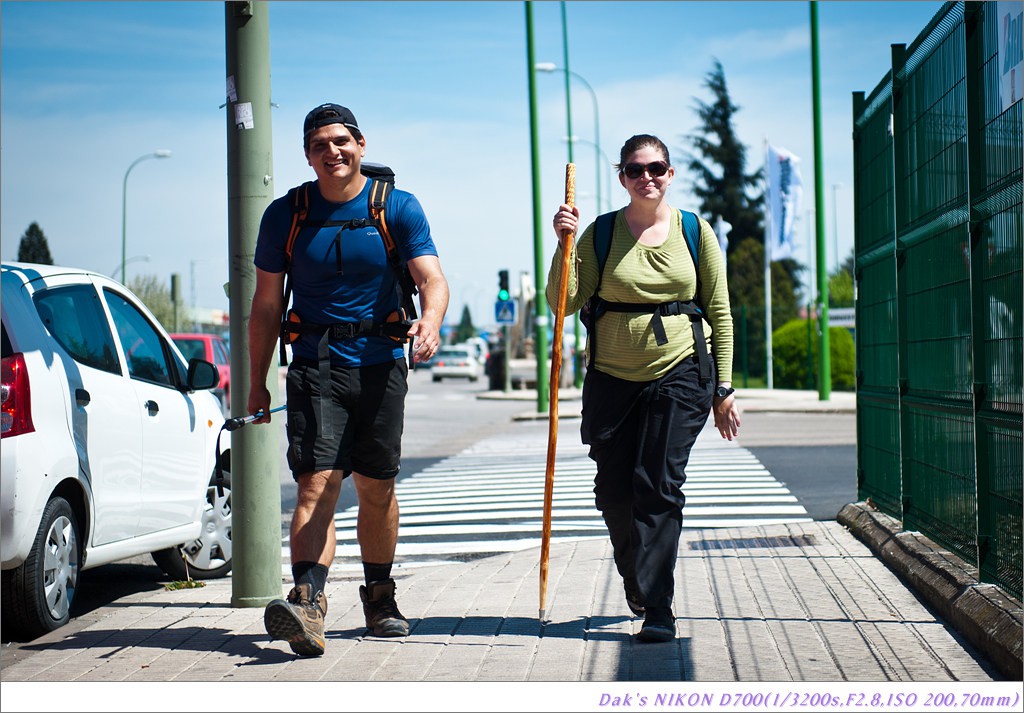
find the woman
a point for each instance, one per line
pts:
(645, 398)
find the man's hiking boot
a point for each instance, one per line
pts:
(381, 610)
(659, 625)
(299, 620)
(633, 599)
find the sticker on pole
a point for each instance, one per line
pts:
(505, 312)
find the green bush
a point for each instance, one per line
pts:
(789, 354)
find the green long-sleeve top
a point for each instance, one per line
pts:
(626, 347)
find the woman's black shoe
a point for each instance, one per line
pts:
(659, 625)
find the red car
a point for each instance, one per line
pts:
(213, 349)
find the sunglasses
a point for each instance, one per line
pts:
(657, 169)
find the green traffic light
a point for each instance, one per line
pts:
(503, 295)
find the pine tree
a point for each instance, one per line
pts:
(718, 162)
(33, 246)
(465, 330)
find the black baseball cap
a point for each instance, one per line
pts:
(327, 114)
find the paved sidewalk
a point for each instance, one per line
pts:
(801, 602)
(780, 609)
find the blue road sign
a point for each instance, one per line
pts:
(505, 312)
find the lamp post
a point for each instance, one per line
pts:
(607, 166)
(835, 221)
(552, 67)
(160, 153)
(135, 258)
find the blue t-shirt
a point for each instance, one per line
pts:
(343, 275)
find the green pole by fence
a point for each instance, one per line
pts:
(824, 357)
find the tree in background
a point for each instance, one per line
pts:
(157, 296)
(718, 163)
(840, 284)
(33, 246)
(465, 330)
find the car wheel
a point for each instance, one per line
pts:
(209, 556)
(38, 594)
(436, 378)
(473, 378)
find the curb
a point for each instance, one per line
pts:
(984, 614)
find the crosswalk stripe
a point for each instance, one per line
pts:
(488, 499)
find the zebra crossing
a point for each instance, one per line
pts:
(489, 498)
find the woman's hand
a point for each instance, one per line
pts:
(566, 222)
(727, 416)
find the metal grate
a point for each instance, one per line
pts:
(752, 543)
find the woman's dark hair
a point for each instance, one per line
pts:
(637, 142)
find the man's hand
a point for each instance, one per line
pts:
(433, 289)
(259, 400)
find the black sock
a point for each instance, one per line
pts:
(311, 573)
(376, 572)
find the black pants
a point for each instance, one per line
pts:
(640, 435)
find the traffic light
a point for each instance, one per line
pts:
(503, 293)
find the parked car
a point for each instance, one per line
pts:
(212, 348)
(110, 441)
(456, 362)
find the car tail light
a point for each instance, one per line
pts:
(16, 417)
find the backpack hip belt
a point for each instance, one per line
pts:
(336, 331)
(668, 309)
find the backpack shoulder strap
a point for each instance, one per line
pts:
(299, 199)
(603, 227)
(378, 198)
(380, 189)
(691, 231)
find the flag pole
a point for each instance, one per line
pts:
(556, 369)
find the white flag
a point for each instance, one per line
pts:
(784, 193)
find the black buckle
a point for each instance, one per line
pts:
(343, 331)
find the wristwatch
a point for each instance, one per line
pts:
(723, 391)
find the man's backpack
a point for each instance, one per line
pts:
(397, 324)
(596, 306)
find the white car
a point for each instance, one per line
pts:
(457, 361)
(109, 444)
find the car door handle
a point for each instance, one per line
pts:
(82, 396)
(152, 407)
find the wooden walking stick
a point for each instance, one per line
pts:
(556, 370)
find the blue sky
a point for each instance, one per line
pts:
(440, 90)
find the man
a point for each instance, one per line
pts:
(347, 381)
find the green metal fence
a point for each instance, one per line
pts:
(938, 241)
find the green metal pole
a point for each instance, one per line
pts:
(824, 356)
(540, 304)
(255, 459)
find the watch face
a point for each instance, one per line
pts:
(722, 392)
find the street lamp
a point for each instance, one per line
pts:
(552, 67)
(135, 258)
(160, 153)
(608, 167)
(835, 220)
